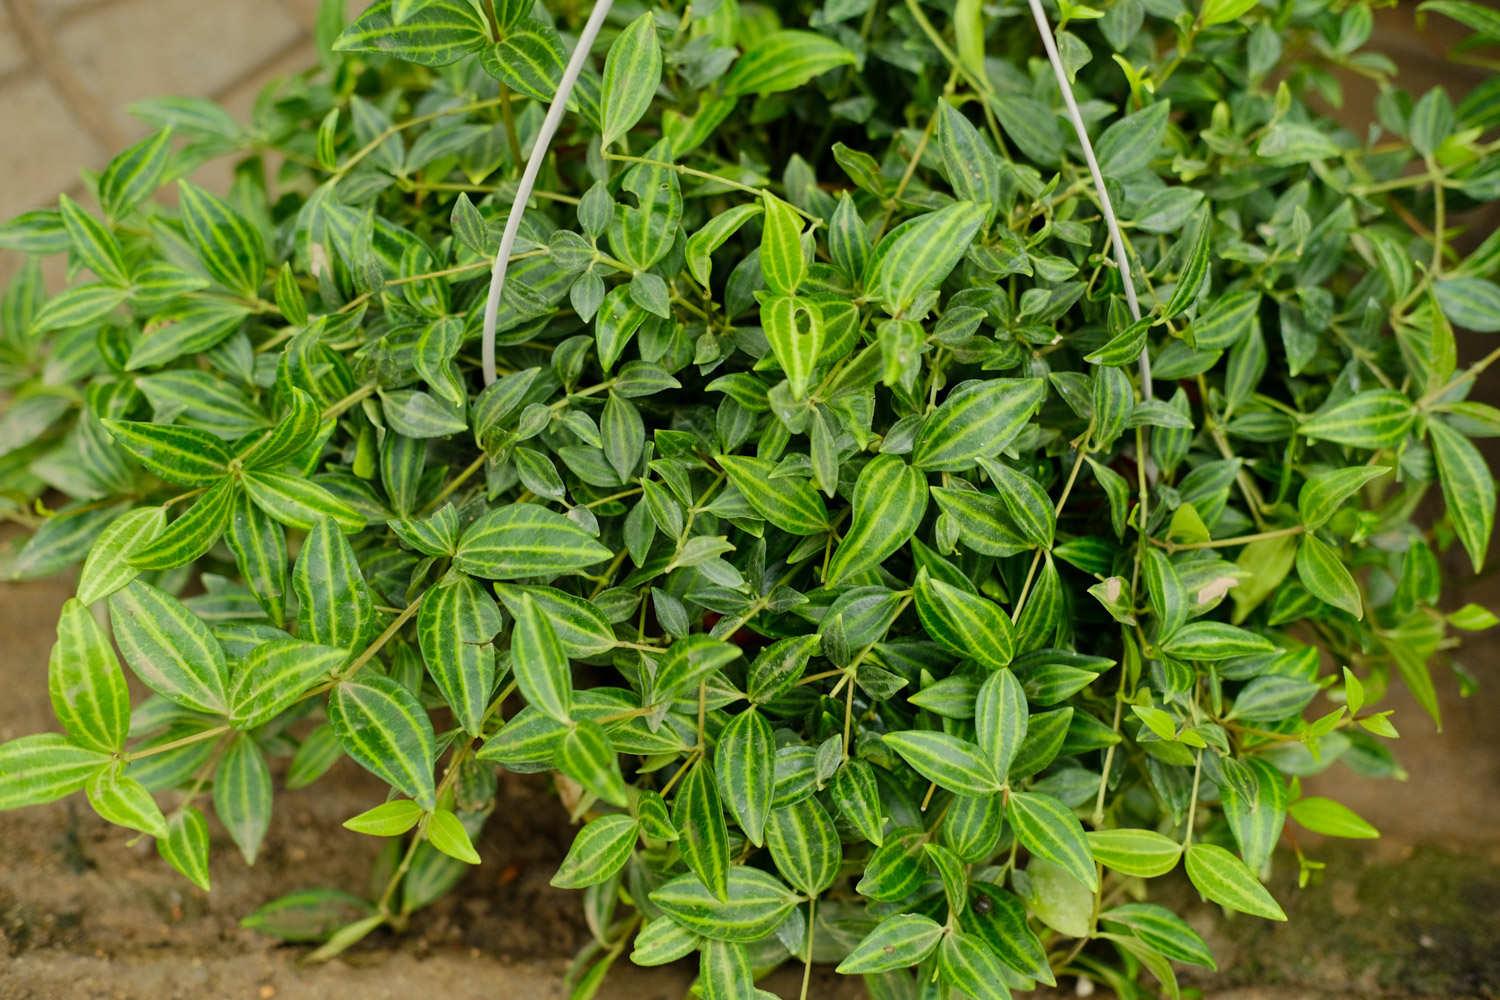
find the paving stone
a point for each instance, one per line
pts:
(49, 150)
(182, 47)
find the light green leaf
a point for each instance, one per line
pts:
(179, 455)
(229, 246)
(185, 847)
(586, 756)
(1142, 853)
(791, 503)
(133, 176)
(435, 34)
(389, 819)
(703, 836)
(125, 802)
(1330, 818)
(969, 966)
(1214, 641)
(94, 245)
(446, 832)
(1323, 494)
(1000, 717)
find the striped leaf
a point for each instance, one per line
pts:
(77, 306)
(229, 246)
(662, 941)
(579, 624)
(804, 845)
(134, 174)
(435, 34)
(615, 323)
(946, 760)
(524, 540)
(193, 533)
(89, 696)
(242, 795)
(94, 245)
(1323, 494)
(108, 566)
(190, 327)
(1322, 571)
(753, 905)
(43, 768)
(36, 232)
(918, 254)
(334, 607)
(1468, 489)
(968, 966)
(260, 554)
(274, 676)
(702, 834)
(289, 438)
(983, 521)
(185, 847)
(1142, 853)
(540, 662)
(586, 755)
(169, 648)
(1214, 641)
(1028, 505)
(977, 420)
(1162, 930)
(690, 660)
(125, 802)
(969, 161)
(714, 233)
(298, 502)
(1469, 303)
(856, 796)
(791, 503)
(971, 626)
(783, 60)
(1000, 717)
(745, 765)
(782, 263)
(455, 628)
(897, 942)
(1224, 879)
(778, 667)
(179, 455)
(890, 498)
(624, 435)
(1000, 922)
(385, 729)
(725, 972)
(600, 849)
(1048, 829)
(1377, 418)
(632, 72)
(793, 326)
(1195, 272)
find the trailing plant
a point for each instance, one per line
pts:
(877, 588)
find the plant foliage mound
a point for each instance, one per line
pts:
(823, 534)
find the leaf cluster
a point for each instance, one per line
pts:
(822, 534)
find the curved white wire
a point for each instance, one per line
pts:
(1122, 259)
(539, 146)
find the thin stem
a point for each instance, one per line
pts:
(1122, 259)
(391, 130)
(185, 741)
(539, 146)
(1224, 543)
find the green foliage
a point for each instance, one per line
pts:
(820, 535)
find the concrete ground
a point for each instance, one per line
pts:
(84, 913)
